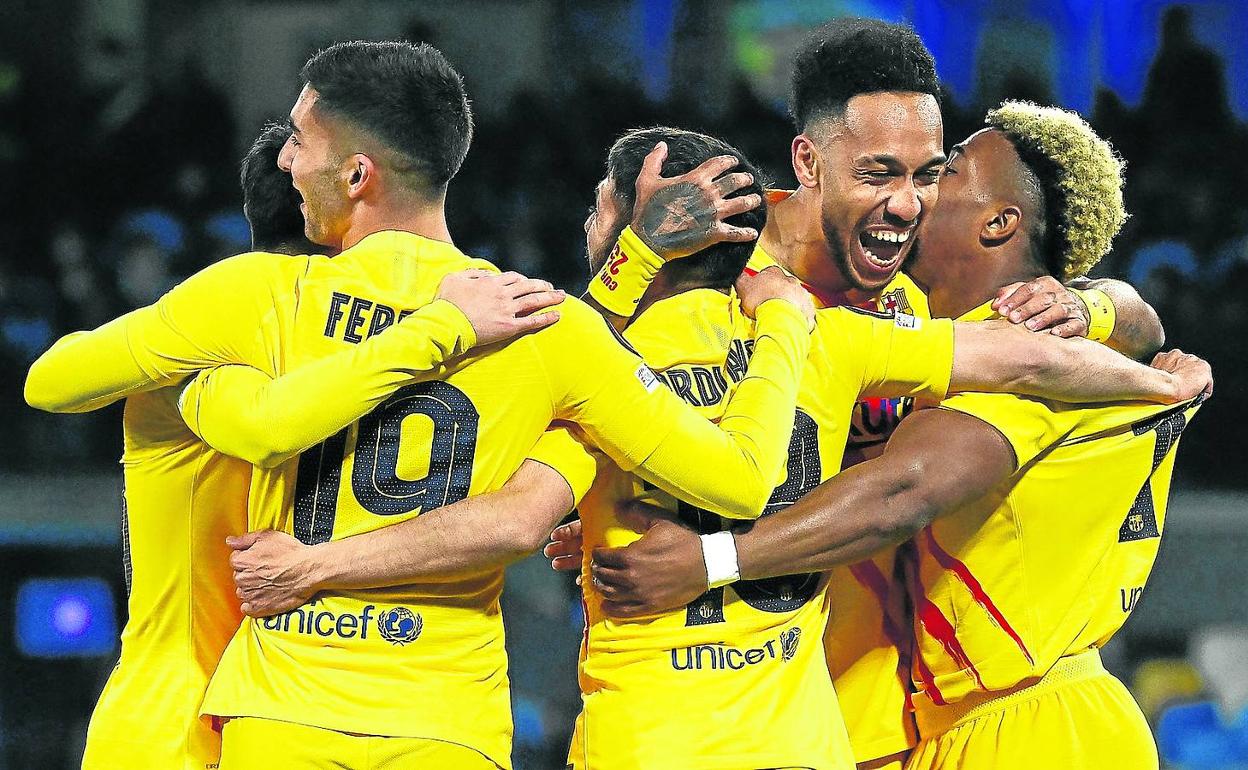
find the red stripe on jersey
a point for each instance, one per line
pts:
(868, 574)
(871, 578)
(957, 567)
(910, 565)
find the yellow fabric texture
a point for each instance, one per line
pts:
(1078, 717)
(262, 744)
(1053, 561)
(181, 500)
(673, 691)
(428, 645)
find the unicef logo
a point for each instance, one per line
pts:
(399, 625)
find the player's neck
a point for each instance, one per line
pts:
(664, 286)
(961, 285)
(427, 220)
(794, 238)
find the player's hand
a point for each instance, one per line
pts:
(1043, 303)
(565, 547)
(272, 572)
(661, 571)
(501, 306)
(1193, 375)
(681, 215)
(774, 283)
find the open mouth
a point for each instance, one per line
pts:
(883, 248)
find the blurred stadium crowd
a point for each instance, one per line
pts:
(154, 198)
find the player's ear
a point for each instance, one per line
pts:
(805, 161)
(1001, 226)
(361, 172)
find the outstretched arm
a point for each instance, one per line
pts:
(242, 412)
(274, 572)
(996, 356)
(936, 462)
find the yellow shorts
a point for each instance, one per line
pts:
(250, 743)
(1078, 717)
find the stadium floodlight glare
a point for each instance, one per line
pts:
(65, 618)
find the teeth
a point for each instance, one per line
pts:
(889, 236)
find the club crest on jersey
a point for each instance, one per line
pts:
(788, 642)
(399, 625)
(895, 302)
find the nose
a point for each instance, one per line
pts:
(905, 204)
(285, 156)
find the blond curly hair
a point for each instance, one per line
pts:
(1081, 176)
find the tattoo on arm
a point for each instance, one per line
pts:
(678, 218)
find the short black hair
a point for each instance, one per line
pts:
(851, 56)
(716, 266)
(406, 96)
(270, 202)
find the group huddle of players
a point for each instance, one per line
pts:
(778, 571)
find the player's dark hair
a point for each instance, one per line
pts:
(851, 56)
(270, 202)
(406, 96)
(716, 266)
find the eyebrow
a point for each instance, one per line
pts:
(957, 149)
(893, 160)
(293, 126)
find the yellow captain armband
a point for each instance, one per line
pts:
(627, 274)
(1101, 313)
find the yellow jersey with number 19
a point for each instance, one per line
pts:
(737, 678)
(427, 661)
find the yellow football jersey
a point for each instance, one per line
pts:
(1052, 563)
(737, 678)
(428, 660)
(867, 640)
(181, 499)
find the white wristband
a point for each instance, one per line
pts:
(719, 553)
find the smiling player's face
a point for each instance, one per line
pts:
(877, 171)
(315, 171)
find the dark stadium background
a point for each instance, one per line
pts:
(122, 121)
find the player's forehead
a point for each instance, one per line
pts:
(903, 125)
(302, 116)
(986, 152)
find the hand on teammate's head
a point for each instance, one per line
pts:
(682, 215)
(501, 306)
(1043, 303)
(774, 283)
(1193, 375)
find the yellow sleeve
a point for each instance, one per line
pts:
(900, 356)
(560, 451)
(1028, 424)
(243, 412)
(216, 316)
(729, 468)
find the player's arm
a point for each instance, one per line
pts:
(274, 572)
(673, 217)
(1103, 309)
(214, 317)
(729, 468)
(936, 462)
(996, 356)
(242, 412)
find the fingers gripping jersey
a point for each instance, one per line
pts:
(737, 678)
(425, 660)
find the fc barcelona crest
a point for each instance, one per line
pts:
(895, 302)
